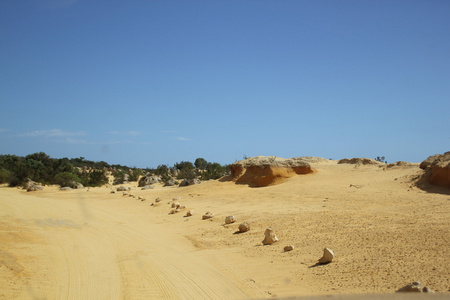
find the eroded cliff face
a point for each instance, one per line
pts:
(262, 171)
(437, 169)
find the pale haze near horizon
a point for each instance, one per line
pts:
(144, 83)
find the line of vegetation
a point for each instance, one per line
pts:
(39, 167)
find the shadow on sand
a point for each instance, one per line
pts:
(319, 264)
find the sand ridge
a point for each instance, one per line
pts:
(76, 244)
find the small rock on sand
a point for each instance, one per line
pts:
(208, 215)
(230, 219)
(327, 257)
(244, 227)
(269, 237)
(415, 287)
(289, 248)
(189, 213)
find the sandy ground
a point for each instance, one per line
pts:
(83, 244)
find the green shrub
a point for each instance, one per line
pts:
(119, 176)
(97, 178)
(134, 175)
(67, 179)
(5, 176)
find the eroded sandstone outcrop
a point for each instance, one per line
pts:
(148, 179)
(437, 169)
(262, 171)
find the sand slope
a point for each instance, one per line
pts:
(96, 245)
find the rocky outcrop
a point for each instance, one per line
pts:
(170, 182)
(32, 186)
(192, 181)
(359, 161)
(148, 179)
(437, 169)
(262, 171)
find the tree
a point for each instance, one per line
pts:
(187, 170)
(162, 170)
(381, 159)
(200, 163)
(214, 171)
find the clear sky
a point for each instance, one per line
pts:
(144, 83)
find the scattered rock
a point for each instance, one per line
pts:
(176, 199)
(262, 171)
(35, 188)
(399, 164)
(189, 213)
(113, 192)
(208, 215)
(122, 189)
(289, 248)
(158, 200)
(192, 181)
(141, 198)
(175, 205)
(124, 194)
(415, 287)
(244, 227)
(171, 182)
(66, 188)
(230, 219)
(327, 257)
(269, 237)
(148, 187)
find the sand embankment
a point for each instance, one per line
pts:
(95, 245)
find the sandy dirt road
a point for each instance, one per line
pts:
(83, 252)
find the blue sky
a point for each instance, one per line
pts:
(144, 83)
